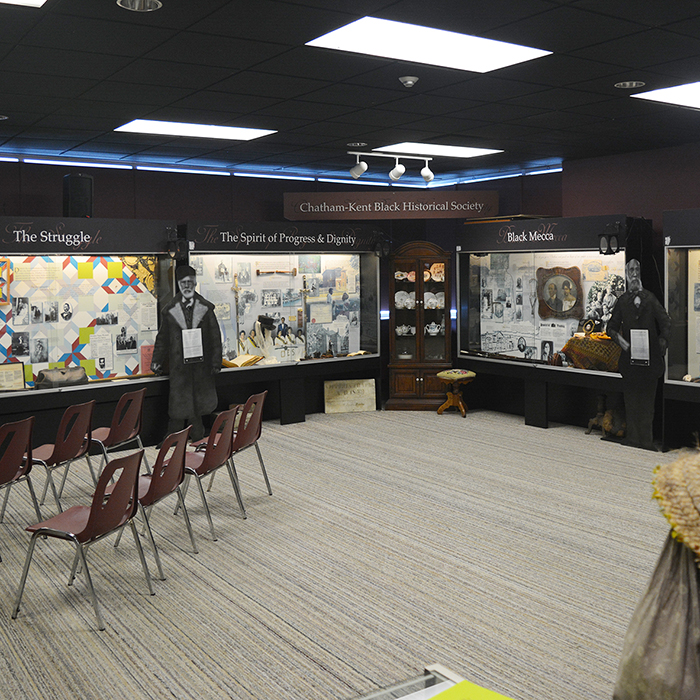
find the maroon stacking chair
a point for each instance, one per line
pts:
(165, 480)
(125, 427)
(247, 434)
(16, 460)
(213, 454)
(82, 526)
(72, 442)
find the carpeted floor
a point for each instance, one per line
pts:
(510, 554)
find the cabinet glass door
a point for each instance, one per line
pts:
(433, 305)
(405, 316)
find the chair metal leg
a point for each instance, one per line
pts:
(183, 488)
(156, 556)
(34, 501)
(25, 571)
(65, 476)
(8, 488)
(236, 487)
(206, 508)
(50, 482)
(91, 587)
(146, 573)
(145, 460)
(181, 500)
(92, 471)
(262, 466)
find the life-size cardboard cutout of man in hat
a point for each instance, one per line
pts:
(641, 327)
(189, 343)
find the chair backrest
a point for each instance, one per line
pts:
(250, 423)
(108, 514)
(126, 421)
(73, 437)
(169, 469)
(15, 445)
(218, 448)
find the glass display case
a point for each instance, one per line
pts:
(315, 305)
(533, 306)
(420, 344)
(683, 294)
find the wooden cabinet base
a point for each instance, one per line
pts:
(417, 404)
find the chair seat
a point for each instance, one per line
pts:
(43, 452)
(194, 461)
(456, 375)
(100, 434)
(72, 520)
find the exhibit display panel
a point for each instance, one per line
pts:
(316, 303)
(79, 294)
(682, 238)
(95, 312)
(519, 300)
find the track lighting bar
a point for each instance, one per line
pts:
(397, 171)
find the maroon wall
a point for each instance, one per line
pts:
(645, 184)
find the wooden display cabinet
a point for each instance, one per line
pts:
(419, 326)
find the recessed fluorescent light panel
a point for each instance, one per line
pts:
(434, 47)
(431, 149)
(687, 95)
(24, 3)
(203, 131)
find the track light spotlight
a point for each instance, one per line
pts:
(359, 168)
(426, 173)
(397, 171)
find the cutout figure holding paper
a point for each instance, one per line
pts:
(641, 327)
(189, 342)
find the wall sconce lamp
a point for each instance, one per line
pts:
(397, 171)
(609, 240)
(176, 247)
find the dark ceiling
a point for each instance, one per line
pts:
(74, 70)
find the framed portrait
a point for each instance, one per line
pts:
(559, 292)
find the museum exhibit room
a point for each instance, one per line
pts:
(350, 350)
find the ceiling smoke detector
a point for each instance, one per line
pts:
(408, 81)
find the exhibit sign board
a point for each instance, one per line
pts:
(282, 236)
(350, 395)
(413, 204)
(30, 235)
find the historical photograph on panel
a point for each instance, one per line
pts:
(126, 342)
(309, 264)
(222, 271)
(50, 312)
(66, 311)
(39, 350)
(271, 297)
(20, 311)
(35, 313)
(107, 318)
(243, 272)
(20, 344)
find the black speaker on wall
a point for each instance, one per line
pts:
(77, 195)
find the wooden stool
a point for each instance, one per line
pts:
(453, 378)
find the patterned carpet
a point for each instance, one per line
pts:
(510, 554)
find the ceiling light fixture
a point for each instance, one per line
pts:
(432, 149)
(358, 169)
(436, 47)
(204, 131)
(24, 3)
(687, 95)
(629, 84)
(427, 174)
(396, 172)
(408, 81)
(140, 5)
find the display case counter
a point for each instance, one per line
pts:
(294, 390)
